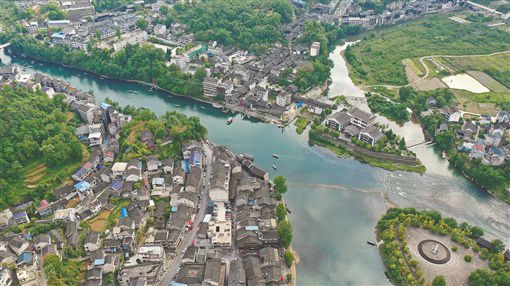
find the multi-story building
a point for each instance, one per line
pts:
(315, 49)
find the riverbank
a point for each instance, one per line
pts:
(386, 161)
(205, 100)
(328, 193)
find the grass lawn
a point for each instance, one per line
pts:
(377, 59)
(483, 103)
(498, 62)
(301, 124)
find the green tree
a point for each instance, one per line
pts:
(280, 212)
(439, 281)
(285, 233)
(142, 24)
(280, 184)
(288, 257)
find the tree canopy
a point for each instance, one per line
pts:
(249, 24)
(144, 63)
(32, 126)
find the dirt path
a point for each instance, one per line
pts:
(427, 71)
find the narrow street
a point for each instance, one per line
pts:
(167, 278)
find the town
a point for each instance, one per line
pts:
(207, 219)
(256, 85)
(136, 194)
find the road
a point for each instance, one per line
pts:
(167, 278)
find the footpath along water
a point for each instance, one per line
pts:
(335, 203)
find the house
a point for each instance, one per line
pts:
(339, 121)
(153, 163)
(477, 151)
(94, 276)
(17, 245)
(220, 233)
(315, 49)
(26, 258)
(44, 209)
(151, 253)
(133, 173)
(361, 118)
(214, 272)
(150, 272)
(125, 227)
(119, 169)
(57, 238)
(65, 215)
(219, 183)
(42, 240)
(5, 218)
(71, 233)
(6, 278)
(20, 218)
(283, 99)
(370, 135)
(147, 137)
(91, 242)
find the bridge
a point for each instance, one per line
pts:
(428, 143)
(4, 45)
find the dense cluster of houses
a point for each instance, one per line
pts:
(355, 123)
(149, 206)
(238, 229)
(485, 138)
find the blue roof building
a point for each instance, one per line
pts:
(123, 213)
(26, 258)
(116, 185)
(82, 186)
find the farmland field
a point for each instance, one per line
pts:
(378, 58)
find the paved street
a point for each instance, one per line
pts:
(167, 278)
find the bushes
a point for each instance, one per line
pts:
(439, 281)
(288, 257)
(285, 233)
(468, 258)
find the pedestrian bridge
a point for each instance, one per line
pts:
(4, 45)
(428, 143)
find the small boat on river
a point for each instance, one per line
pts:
(275, 156)
(229, 120)
(274, 167)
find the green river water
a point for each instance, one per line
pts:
(335, 203)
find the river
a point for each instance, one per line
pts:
(335, 203)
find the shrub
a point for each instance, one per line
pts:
(468, 258)
(289, 258)
(439, 281)
(454, 248)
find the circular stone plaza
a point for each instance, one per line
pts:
(434, 251)
(435, 256)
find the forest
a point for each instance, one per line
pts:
(33, 128)
(248, 24)
(143, 63)
(377, 59)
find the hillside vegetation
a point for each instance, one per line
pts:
(38, 143)
(249, 24)
(378, 58)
